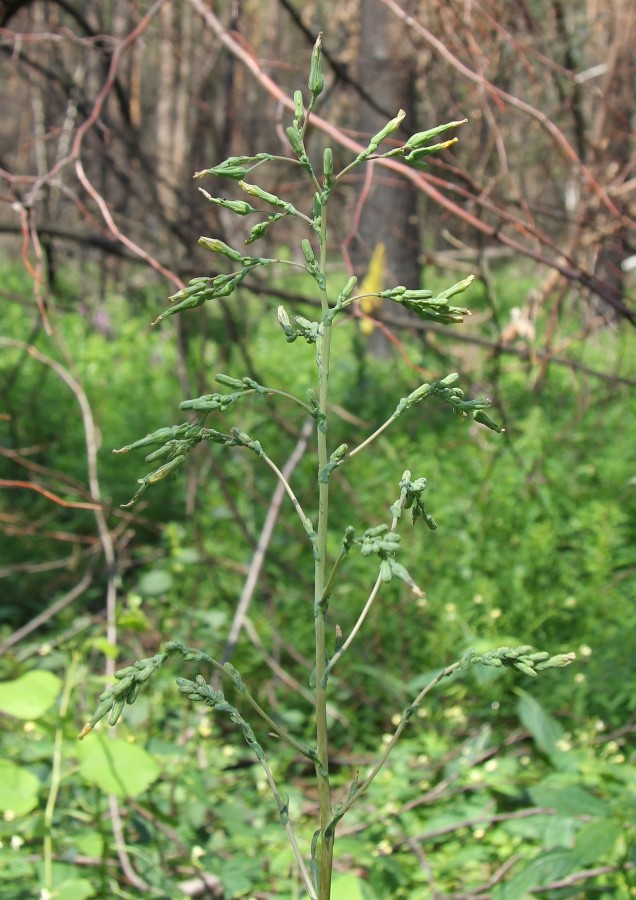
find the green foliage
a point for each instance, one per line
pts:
(537, 542)
(535, 539)
(174, 443)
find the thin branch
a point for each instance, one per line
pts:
(493, 89)
(306, 521)
(568, 268)
(264, 539)
(120, 846)
(47, 614)
(284, 676)
(31, 486)
(356, 628)
(93, 480)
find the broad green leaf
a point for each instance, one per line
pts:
(116, 766)
(89, 843)
(596, 840)
(545, 730)
(135, 619)
(155, 582)
(239, 875)
(351, 887)
(30, 695)
(559, 832)
(542, 870)
(103, 646)
(569, 800)
(74, 889)
(18, 789)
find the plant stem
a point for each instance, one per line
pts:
(323, 347)
(356, 628)
(290, 831)
(290, 493)
(362, 788)
(371, 438)
(367, 606)
(276, 728)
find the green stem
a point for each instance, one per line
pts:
(290, 831)
(307, 525)
(356, 628)
(282, 733)
(365, 610)
(372, 437)
(332, 578)
(363, 787)
(296, 400)
(323, 348)
(278, 393)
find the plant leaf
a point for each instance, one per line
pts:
(30, 695)
(545, 730)
(18, 788)
(116, 766)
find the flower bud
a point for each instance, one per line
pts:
(299, 105)
(316, 81)
(417, 140)
(327, 162)
(295, 139)
(218, 246)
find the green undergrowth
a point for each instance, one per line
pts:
(536, 545)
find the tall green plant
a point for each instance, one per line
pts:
(381, 541)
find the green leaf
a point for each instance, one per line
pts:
(89, 843)
(596, 841)
(30, 695)
(545, 730)
(18, 789)
(351, 887)
(116, 766)
(239, 876)
(155, 582)
(559, 832)
(569, 800)
(542, 870)
(74, 889)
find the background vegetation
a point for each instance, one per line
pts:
(503, 788)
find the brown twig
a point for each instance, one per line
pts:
(569, 268)
(32, 486)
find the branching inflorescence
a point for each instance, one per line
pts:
(174, 443)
